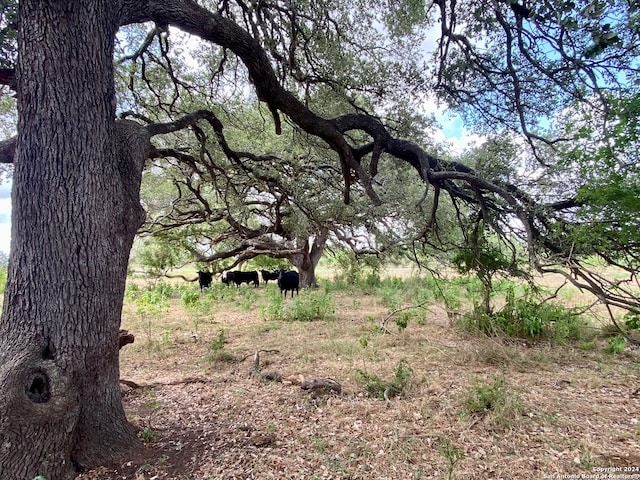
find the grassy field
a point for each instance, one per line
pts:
(458, 404)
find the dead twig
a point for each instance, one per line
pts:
(256, 358)
(184, 381)
(383, 323)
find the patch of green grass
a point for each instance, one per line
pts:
(319, 444)
(306, 307)
(149, 435)
(151, 401)
(494, 400)
(217, 352)
(452, 455)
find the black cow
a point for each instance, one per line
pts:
(204, 279)
(238, 278)
(288, 281)
(269, 275)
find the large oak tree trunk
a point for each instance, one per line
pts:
(306, 263)
(75, 212)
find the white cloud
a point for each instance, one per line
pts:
(454, 134)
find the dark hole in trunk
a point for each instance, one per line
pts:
(38, 391)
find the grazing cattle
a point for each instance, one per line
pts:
(269, 275)
(204, 279)
(288, 281)
(240, 277)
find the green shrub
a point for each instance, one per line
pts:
(248, 297)
(151, 302)
(452, 454)
(218, 342)
(217, 352)
(189, 298)
(632, 320)
(309, 306)
(149, 435)
(495, 400)
(132, 291)
(357, 272)
(617, 344)
(376, 387)
(274, 309)
(527, 318)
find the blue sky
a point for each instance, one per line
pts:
(5, 215)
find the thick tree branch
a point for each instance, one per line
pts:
(8, 150)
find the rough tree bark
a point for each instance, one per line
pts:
(306, 263)
(75, 212)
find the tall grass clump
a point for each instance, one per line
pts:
(151, 303)
(495, 401)
(308, 306)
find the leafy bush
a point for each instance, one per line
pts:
(632, 320)
(132, 291)
(376, 387)
(527, 318)
(452, 454)
(189, 298)
(151, 302)
(218, 342)
(217, 352)
(362, 273)
(616, 344)
(164, 289)
(274, 310)
(248, 297)
(311, 306)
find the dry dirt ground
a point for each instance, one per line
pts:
(206, 414)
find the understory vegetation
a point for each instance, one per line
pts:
(433, 386)
(523, 311)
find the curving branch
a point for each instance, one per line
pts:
(540, 226)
